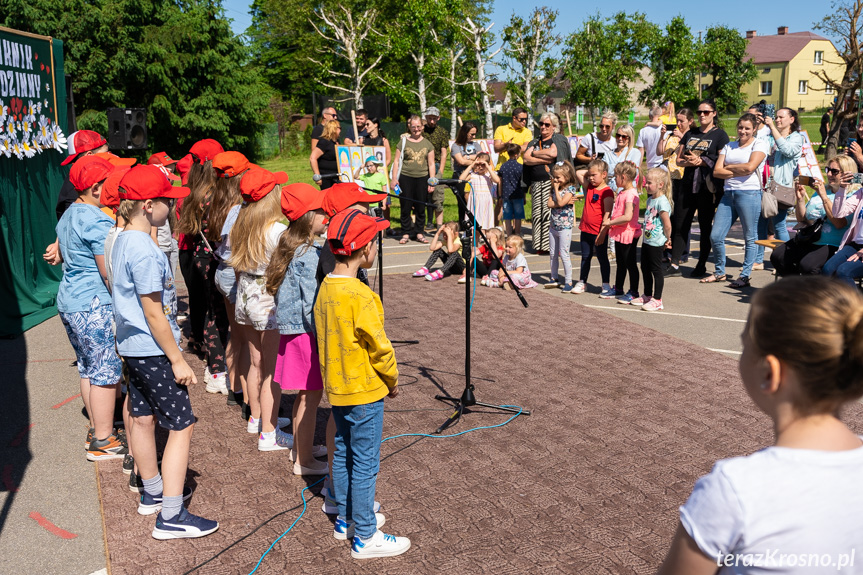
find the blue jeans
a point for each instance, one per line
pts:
(745, 204)
(839, 266)
(781, 231)
(356, 462)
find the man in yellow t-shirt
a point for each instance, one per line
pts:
(516, 132)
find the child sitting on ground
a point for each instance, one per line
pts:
(515, 264)
(481, 259)
(446, 249)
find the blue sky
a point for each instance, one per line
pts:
(744, 15)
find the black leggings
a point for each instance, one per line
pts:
(452, 262)
(684, 213)
(195, 291)
(792, 258)
(413, 189)
(588, 250)
(651, 269)
(482, 269)
(627, 261)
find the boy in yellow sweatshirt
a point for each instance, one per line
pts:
(359, 369)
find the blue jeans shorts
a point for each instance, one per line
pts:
(513, 209)
(91, 334)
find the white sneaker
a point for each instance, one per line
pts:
(217, 383)
(256, 425)
(269, 444)
(380, 545)
(579, 288)
(317, 451)
(344, 530)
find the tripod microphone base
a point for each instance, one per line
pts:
(463, 405)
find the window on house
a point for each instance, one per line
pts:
(802, 87)
(828, 89)
(704, 74)
(766, 89)
(704, 87)
(765, 71)
(819, 57)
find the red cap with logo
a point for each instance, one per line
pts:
(230, 164)
(205, 150)
(341, 196)
(258, 182)
(82, 141)
(350, 230)
(161, 159)
(115, 160)
(89, 170)
(148, 182)
(299, 199)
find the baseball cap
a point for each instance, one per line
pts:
(350, 230)
(258, 182)
(148, 182)
(89, 170)
(160, 159)
(374, 160)
(82, 141)
(110, 196)
(431, 111)
(299, 199)
(205, 150)
(115, 160)
(231, 164)
(341, 196)
(183, 167)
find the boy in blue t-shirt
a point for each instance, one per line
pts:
(511, 191)
(145, 306)
(85, 305)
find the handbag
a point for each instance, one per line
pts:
(769, 205)
(785, 195)
(809, 234)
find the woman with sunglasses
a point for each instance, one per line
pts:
(847, 262)
(697, 154)
(625, 152)
(540, 155)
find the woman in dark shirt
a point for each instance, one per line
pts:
(323, 158)
(538, 158)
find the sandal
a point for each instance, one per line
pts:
(405, 239)
(422, 239)
(713, 278)
(740, 283)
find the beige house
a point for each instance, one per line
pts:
(785, 62)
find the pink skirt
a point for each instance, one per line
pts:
(298, 366)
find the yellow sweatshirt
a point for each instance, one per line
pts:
(358, 363)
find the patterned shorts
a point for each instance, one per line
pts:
(153, 391)
(91, 334)
(255, 307)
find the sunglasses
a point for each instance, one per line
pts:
(605, 127)
(546, 124)
(833, 171)
(704, 112)
(622, 136)
(524, 119)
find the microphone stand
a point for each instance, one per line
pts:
(468, 399)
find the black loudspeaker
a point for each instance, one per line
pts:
(127, 128)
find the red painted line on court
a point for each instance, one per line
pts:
(50, 527)
(21, 435)
(65, 401)
(8, 482)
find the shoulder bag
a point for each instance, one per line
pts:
(785, 196)
(809, 234)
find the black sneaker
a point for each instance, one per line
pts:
(234, 398)
(671, 271)
(136, 485)
(699, 271)
(128, 464)
(184, 525)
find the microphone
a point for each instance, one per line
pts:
(452, 182)
(319, 177)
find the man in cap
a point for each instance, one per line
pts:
(439, 138)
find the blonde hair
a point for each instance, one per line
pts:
(813, 325)
(846, 163)
(293, 242)
(628, 169)
(128, 208)
(495, 233)
(630, 140)
(202, 180)
(517, 241)
(483, 156)
(331, 129)
(664, 178)
(669, 109)
(610, 116)
(226, 195)
(568, 172)
(249, 235)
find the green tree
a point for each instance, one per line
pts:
(723, 56)
(606, 57)
(674, 61)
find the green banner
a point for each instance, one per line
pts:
(32, 145)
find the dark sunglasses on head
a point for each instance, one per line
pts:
(605, 126)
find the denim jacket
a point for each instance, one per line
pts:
(786, 155)
(298, 291)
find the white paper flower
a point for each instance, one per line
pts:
(44, 132)
(5, 147)
(58, 140)
(17, 150)
(27, 124)
(11, 132)
(28, 149)
(35, 108)
(4, 112)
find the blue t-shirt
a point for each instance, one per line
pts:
(830, 236)
(140, 268)
(82, 231)
(510, 180)
(654, 232)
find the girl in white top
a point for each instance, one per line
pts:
(793, 508)
(482, 178)
(739, 164)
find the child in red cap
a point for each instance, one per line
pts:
(291, 279)
(85, 306)
(359, 369)
(145, 307)
(253, 238)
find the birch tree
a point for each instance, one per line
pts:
(844, 22)
(526, 46)
(478, 38)
(350, 34)
(454, 66)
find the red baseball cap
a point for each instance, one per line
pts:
(299, 199)
(345, 194)
(110, 197)
(231, 164)
(206, 150)
(258, 182)
(161, 159)
(89, 170)
(350, 230)
(115, 160)
(82, 141)
(148, 182)
(183, 167)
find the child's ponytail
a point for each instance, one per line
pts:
(293, 242)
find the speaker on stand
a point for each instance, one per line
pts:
(127, 128)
